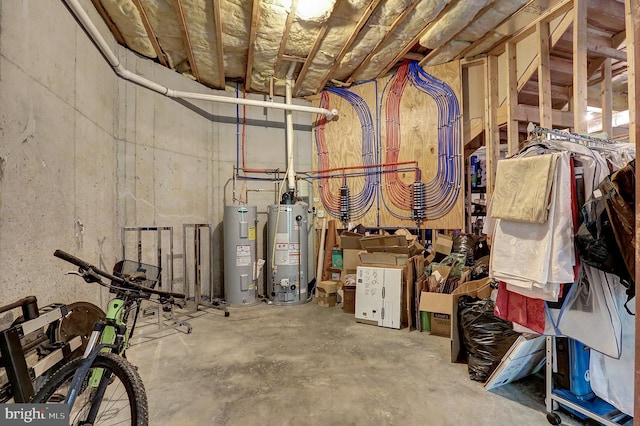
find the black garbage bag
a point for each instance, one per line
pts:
(486, 337)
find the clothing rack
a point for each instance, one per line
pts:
(556, 397)
(538, 131)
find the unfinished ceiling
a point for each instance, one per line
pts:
(218, 42)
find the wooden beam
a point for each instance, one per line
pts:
(416, 39)
(255, 17)
(606, 52)
(186, 39)
(150, 33)
(544, 75)
(348, 42)
(580, 66)
(513, 143)
(596, 63)
(556, 35)
(414, 56)
(560, 8)
(312, 54)
(217, 21)
(528, 113)
(453, 36)
(607, 98)
(285, 36)
(396, 24)
(632, 21)
(107, 19)
(492, 131)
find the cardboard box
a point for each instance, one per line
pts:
(446, 306)
(391, 259)
(379, 296)
(327, 300)
(443, 244)
(379, 242)
(328, 286)
(349, 299)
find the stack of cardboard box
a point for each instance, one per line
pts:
(364, 259)
(327, 293)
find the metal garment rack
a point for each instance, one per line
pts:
(553, 398)
(158, 230)
(197, 266)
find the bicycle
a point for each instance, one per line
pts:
(102, 386)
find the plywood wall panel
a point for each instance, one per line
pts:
(419, 142)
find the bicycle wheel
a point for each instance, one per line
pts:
(120, 397)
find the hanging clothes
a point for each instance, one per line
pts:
(538, 255)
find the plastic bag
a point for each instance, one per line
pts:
(465, 244)
(486, 337)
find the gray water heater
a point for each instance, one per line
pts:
(287, 248)
(240, 287)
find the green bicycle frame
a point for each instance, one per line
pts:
(115, 314)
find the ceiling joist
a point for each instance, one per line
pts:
(285, 38)
(186, 39)
(255, 17)
(150, 33)
(415, 39)
(407, 11)
(347, 44)
(311, 56)
(217, 20)
(453, 37)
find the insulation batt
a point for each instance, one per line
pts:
(127, 18)
(236, 21)
(342, 23)
(373, 31)
(301, 37)
(448, 52)
(425, 12)
(451, 23)
(164, 22)
(265, 51)
(202, 35)
(492, 17)
(484, 45)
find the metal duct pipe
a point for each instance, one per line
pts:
(113, 60)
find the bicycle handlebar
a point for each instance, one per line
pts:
(85, 266)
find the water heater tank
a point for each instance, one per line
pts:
(240, 287)
(287, 248)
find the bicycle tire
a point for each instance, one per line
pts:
(116, 369)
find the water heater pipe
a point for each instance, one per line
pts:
(113, 60)
(321, 253)
(288, 87)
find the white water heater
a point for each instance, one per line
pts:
(240, 285)
(287, 248)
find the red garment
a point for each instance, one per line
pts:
(520, 309)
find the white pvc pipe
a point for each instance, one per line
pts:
(288, 87)
(321, 253)
(113, 60)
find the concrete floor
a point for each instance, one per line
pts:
(309, 365)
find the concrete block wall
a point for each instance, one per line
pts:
(83, 154)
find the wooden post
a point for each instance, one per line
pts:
(607, 98)
(491, 130)
(544, 75)
(632, 17)
(512, 99)
(580, 66)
